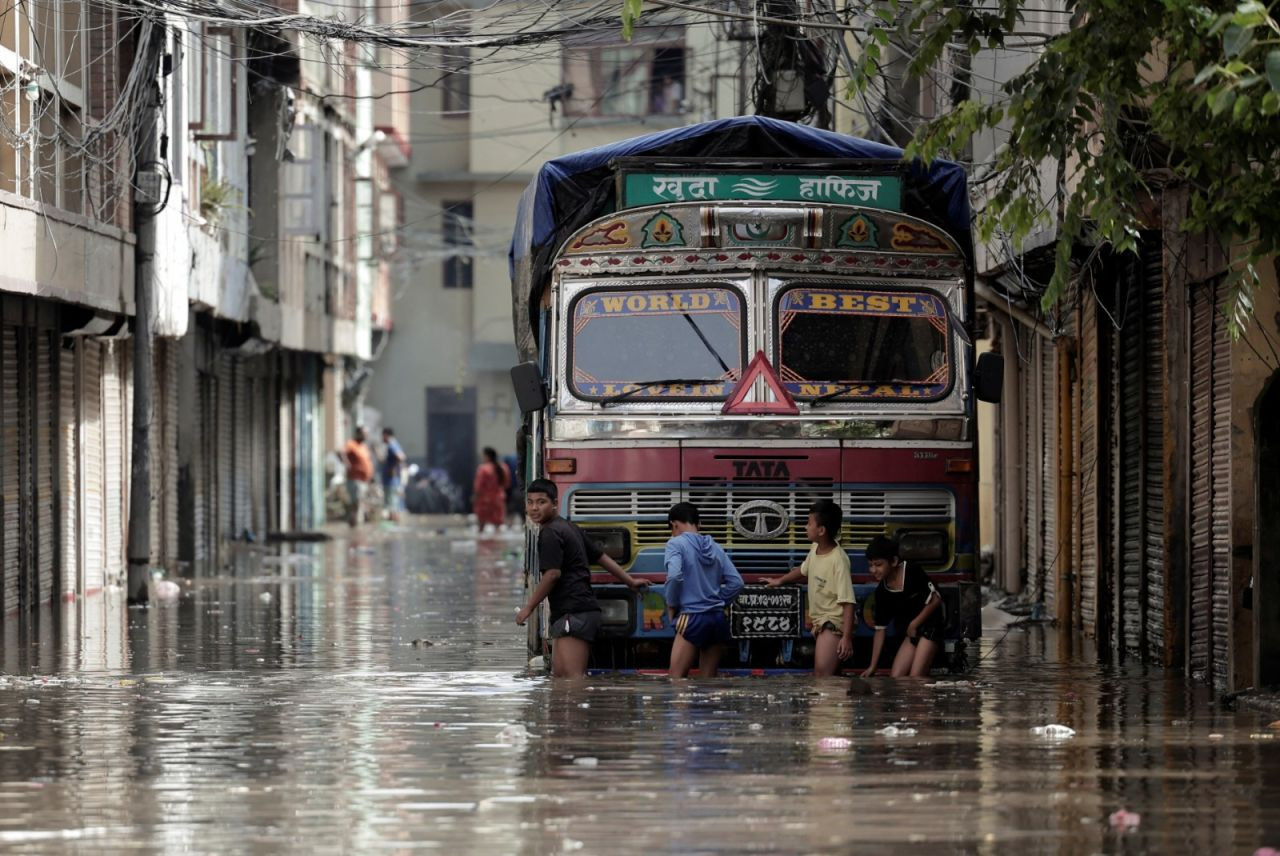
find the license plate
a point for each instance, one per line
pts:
(761, 612)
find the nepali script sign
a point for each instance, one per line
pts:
(760, 612)
(643, 188)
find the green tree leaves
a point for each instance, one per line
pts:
(1133, 91)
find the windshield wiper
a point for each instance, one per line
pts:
(706, 342)
(643, 385)
(849, 387)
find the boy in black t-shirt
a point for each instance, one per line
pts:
(565, 555)
(906, 597)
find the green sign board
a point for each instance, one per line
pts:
(870, 191)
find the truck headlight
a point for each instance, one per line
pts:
(615, 611)
(923, 545)
(616, 542)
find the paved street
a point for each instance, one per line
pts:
(370, 695)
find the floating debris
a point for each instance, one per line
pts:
(1054, 731)
(1125, 820)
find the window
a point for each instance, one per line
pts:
(458, 217)
(854, 344)
(44, 52)
(456, 83)
(691, 333)
(626, 80)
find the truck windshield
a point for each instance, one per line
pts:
(839, 343)
(620, 339)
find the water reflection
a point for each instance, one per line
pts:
(282, 704)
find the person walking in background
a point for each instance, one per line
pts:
(490, 490)
(359, 474)
(392, 468)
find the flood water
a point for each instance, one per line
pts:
(282, 705)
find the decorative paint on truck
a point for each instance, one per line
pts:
(750, 336)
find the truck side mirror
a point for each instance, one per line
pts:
(988, 377)
(531, 394)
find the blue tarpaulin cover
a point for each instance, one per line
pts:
(572, 190)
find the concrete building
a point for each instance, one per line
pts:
(479, 136)
(271, 288)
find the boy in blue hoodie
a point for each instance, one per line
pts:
(701, 581)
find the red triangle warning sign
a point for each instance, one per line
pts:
(760, 391)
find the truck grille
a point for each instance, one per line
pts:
(864, 510)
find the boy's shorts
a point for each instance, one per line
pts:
(829, 627)
(704, 629)
(934, 630)
(579, 625)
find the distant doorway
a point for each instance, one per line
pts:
(451, 435)
(1266, 565)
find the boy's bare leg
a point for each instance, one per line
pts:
(569, 657)
(903, 659)
(926, 650)
(682, 656)
(709, 661)
(825, 661)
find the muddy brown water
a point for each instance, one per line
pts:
(281, 706)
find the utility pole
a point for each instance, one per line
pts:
(146, 204)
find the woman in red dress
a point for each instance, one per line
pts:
(490, 490)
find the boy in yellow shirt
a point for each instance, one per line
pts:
(831, 600)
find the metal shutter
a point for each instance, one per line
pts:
(243, 450)
(45, 434)
(168, 463)
(1089, 475)
(1050, 440)
(69, 475)
(92, 459)
(10, 467)
(1028, 344)
(1126, 466)
(116, 436)
(201, 505)
(164, 454)
(1221, 492)
(226, 453)
(307, 428)
(288, 434)
(1153, 416)
(1201, 484)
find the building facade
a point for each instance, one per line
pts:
(480, 133)
(271, 291)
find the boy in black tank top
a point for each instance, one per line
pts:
(565, 556)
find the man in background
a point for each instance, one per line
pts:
(359, 474)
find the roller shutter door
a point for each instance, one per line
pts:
(1153, 416)
(226, 453)
(1221, 493)
(1028, 344)
(10, 468)
(116, 436)
(45, 434)
(202, 467)
(1089, 475)
(1209, 574)
(243, 450)
(69, 475)
(164, 455)
(92, 460)
(1050, 443)
(1126, 467)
